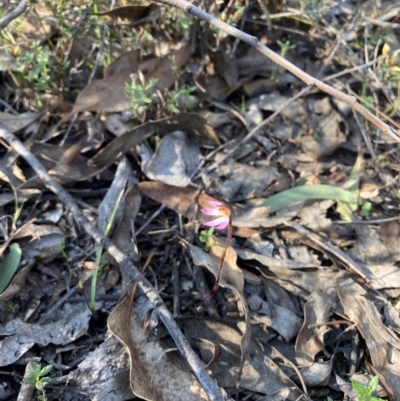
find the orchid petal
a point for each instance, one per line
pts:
(222, 225)
(210, 212)
(219, 223)
(215, 203)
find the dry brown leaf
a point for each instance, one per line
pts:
(281, 319)
(241, 181)
(231, 273)
(131, 13)
(318, 373)
(85, 378)
(200, 258)
(261, 372)
(154, 374)
(193, 124)
(390, 233)
(65, 163)
(38, 231)
(14, 123)
(125, 60)
(271, 261)
(108, 94)
(329, 129)
(123, 179)
(301, 283)
(310, 340)
(123, 234)
(382, 345)
(225, 66)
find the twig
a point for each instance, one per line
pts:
(308, 79)
(20, 9)
(302, 93)
(125, 264)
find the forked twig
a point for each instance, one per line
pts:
(308, 79)
(209, 385)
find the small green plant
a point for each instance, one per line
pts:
(38, 377)
(206, 235)
(35, 69)
(181, 99)
(241, 109)
(284, 48)
(365, 393)
(368, 100)
(141, 94)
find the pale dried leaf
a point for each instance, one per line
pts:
(200, 258)
(127, 59)
(175, 160)
(154, 373)
(279, 318)
(383, 346)
(328, 126)
(108, 362)
(310, 340)
(14, 123)
(231, 272)
(61, 332)
(318, 373)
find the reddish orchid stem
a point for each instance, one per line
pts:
(221, 262)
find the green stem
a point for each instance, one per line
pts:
(100, 252)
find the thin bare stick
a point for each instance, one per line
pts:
(308, 79)
(300, 94)
(131, 271)
(20, 9)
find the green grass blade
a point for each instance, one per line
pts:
(9, 266)
(100, 251)
(308, 192)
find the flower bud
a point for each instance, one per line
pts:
(385, 50)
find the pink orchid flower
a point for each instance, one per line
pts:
(220, 210)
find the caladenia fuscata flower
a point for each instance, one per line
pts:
(223, 219)
(222, 212)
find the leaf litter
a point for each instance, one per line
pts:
(309, 296)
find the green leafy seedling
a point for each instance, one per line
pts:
(206, 237)
(141, 94)
(181, 99)
(365, 393)
(38, 377)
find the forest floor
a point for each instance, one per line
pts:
(124, 120)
